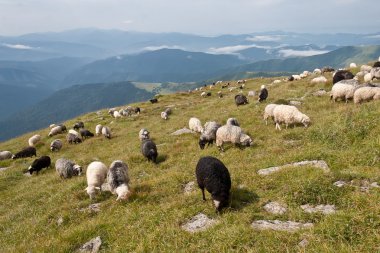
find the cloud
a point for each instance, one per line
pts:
(19, 46)
(374, 36)
(234, 49)
(292, 53)
(262, 38)
(155, 48)
(127, 22)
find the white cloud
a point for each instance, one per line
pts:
(374, 36)
(127, 22)
(154, 48)
(18, 46)
(292, 53)
(267, 38)
(233, 49)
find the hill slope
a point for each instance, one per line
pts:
(346, 136)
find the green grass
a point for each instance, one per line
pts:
(346, 136)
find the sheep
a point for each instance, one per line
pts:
(111, 111)
(344, 90)
(34, 140)
(67, 169)
(26, 152)
(289, 115)
(118, 179)
(296, 77)
(268, 112)
(96, 175)
(276, 81)
(375, 73)
(213, 175)
(352, 65)
(232, 122)
(164, 115)
(233, 134)
(168, 110)
(251, 93)
(63, 127)
(78, 125)
(317, 71)
(376, 64)
(153, 100)
(195, 125)
(5, 155)
(52, 125)
(290, 78)
(367, 77)
(106, 131)
(240, 99)
(98, 129)
(327, 69)
(365, 94)
(143, 134)
(263, 95)
(342, 75)
(56, 145)
(39, 164)
(149, 150)
(319, 79)
(72, 131)
(116, 114)
(85, 133)
(137, 110)
(220, 95)
(73, 139)
(365, 68)
(361, 74)
(203, 94)
(56, 130)
(209, 134)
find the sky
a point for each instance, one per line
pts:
(202, 17)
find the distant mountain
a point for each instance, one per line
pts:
(165, 65)
(69, 103)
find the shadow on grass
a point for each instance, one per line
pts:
(240, 198)
(161, 158)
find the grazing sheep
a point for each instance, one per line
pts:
(352, 65)
(26, 152)
(118, 179)
(360, 74)
(63, 127)
(56, 130)
(209, 134)
(342, 75)
(4, 155)
(220, 95)
(153, 100)
(240, 99)
(367, 77)
(137, 110)
(168, 110)
(96, 175)
(111, 111)
(290, 78)
(78, 125)
(344, 90)
(213, 175)
(56, 145)
(149, 150)
(106, 131)
(376, 64)
(251, 93)
(98, 129)
(268, 112)
(84, 133)
(52, 125)
(375, 73)
(289, 115)
(143, 134)
(365, 68)
(39, 164)
(263, 95)
(327, 69)
(164, 115)
(296, 77)
(275, 82)
(233, 134)
(232, 122)
(195, 125)
(203, 94)
(72, 131)
(116, 114)
(317, 71)
(67, 169)
(319, 79)
(73, 139)
(34, 140)
(365, 94)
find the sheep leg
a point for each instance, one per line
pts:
(278, 126)
(203, 194)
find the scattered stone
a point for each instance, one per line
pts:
(289, 226)
(3, 169)
(320, 93)
(182, 131)
(303, 243)
(294, 102)
(60, 221)
(339, 183)
(325, 209)
(315, 163)
(189, 187)
(364, 185)
(375, 185)
(92, 246)
(198, 223)
(275, 208)
(92, 208)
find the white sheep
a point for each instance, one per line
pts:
(232, 122)
(319, 79)
(98, 129)
(296, 77)
(164, 115)
(5, 155)
(72, 131)
(365, 68)
(203, 94)
(55, 130)
(143, 134)
(195, 125)
(375, 73)
(344, 90)
(361, 73)
(317, 71)
(106, 131)
(352, 65)
(289, 115)
(209, 134)
(275, 82)
(96, 175)
(233, 134)
(116, 114)
(118, 179)
(368, 77)
(365, 94)
(34, 140)
(268, 112)
(52, 125)
(56, 145)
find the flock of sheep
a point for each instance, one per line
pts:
(211, 173)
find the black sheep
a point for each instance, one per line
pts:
(342, 75)
(39, 164)
(208, 94)
(327, 69)
(240, 99)
(376, 64)
(26, 152)
(153, 100)
(78, 125)
(291, 78)
(85, 133)
(149, 150)
(213, 175)
(137, 110)
(263, 93)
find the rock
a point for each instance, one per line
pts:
(182, 131)
(315, 163)
(60, 221)
(295, 103)
(289, 226)
(303, 243)
(325, 209)
(339, 183)
(320, 93)
(200, 222)
(3, 169)
(92, 246)
(189, 187)
(275, 208)
(92, 208)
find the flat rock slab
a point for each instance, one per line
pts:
(198, 223)
(182, 131)
(92, 208)
(92, 246)
(320, 93)
(289, 226)
(315, 163)
(275, 208)
(295, 102)
(189, 187)
(363, 185)
(325, 209)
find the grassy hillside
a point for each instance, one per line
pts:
(346, 136)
